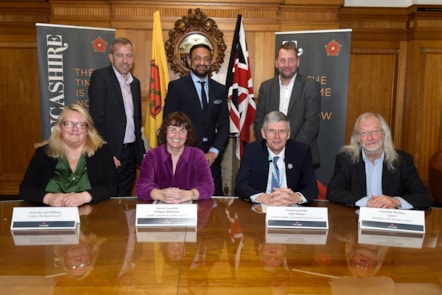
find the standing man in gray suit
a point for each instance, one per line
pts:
(293, 94)
(115, 106)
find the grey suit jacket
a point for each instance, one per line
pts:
(303, 112)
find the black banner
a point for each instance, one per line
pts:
(67, 55)
(325, 57)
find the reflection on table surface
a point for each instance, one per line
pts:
(232, 253)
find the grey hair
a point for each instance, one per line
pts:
(275, 116)
(121, 40)
(354, 148)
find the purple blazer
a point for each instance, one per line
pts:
(192, 171)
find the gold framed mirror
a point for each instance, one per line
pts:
(191, 29)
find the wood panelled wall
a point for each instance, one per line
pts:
(395, 66)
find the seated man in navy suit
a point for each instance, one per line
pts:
(276, 171)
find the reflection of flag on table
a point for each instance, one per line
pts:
(235, 233)
(159, 79)
(241, 100)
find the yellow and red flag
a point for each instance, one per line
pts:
(159, 79)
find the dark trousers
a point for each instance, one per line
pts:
(215, 169)
(127, 172)
(217, 179)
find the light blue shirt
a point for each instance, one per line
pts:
(282, 175)
(126, 92)
(196, 81)
(281, 167)
(373, 174)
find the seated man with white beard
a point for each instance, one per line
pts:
(370, 172)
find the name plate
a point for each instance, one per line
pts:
(297, 217)
(296, 236)
(166, 234)
(392, 219)
(44, 218)
(172, 215)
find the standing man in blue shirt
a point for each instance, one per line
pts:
(204, 101)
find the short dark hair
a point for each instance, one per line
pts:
(177, 119)
(289, 45)
(200, 45)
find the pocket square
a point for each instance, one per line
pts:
(217, 101)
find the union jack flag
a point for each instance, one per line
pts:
(241, 101)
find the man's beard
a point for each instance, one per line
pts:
(377, 150)
(287, 75)
(200, 74)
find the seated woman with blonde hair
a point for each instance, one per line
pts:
(73, 167)
(175, 172)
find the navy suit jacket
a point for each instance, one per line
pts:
(107, 110)
(253, 173)
(303, 112)
(348, 183)
(182, 96)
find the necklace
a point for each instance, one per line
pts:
(72, 157)
(73, 154)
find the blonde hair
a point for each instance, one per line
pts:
(391, 156)
(55, 146)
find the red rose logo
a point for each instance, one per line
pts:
(333, 48)
(99, 44)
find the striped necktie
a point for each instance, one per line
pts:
(275, 173)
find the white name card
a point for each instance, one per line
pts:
(296, 236)
(392, 219)
(172, 215)
(166, 234)
(297, 217)
(44, 218)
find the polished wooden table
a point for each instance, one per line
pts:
(231, 252)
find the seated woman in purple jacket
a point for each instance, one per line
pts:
(175, 172)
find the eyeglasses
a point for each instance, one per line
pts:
(78, 266)
(79, 125)
(372, 133)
